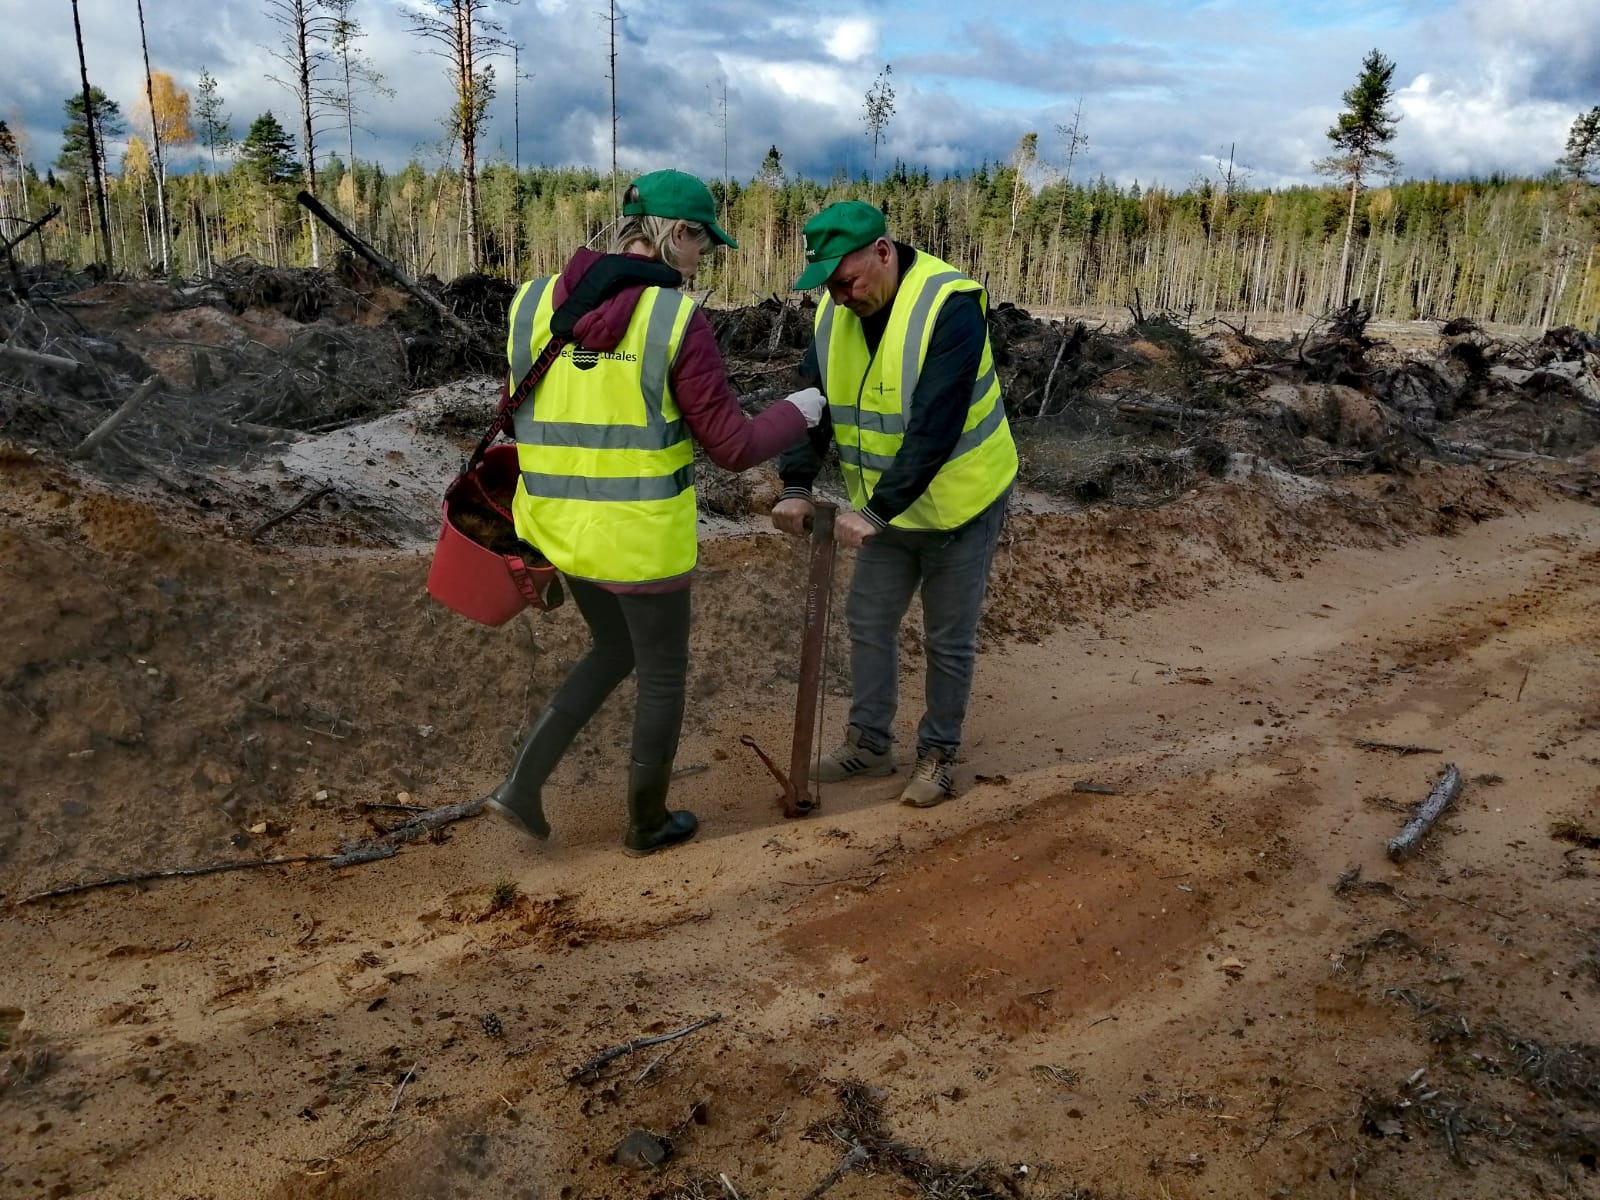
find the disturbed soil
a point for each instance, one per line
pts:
(1155, 949)
(1256, 593)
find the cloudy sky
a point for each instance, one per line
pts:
(1166, 86)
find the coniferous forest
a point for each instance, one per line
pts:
(1519, 251)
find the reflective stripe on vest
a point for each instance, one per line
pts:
(870, 395)
(607, 487)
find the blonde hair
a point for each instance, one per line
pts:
(656, 232)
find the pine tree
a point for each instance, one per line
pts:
(465, 38)
(76, 135)
(771, 172)
(1364, 128)
(879, 107)
(267, 152)
(1582, 159)
(216, 134)
(216, 126)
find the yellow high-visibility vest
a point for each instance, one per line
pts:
(607, 486)
(869, 401)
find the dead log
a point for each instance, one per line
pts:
(109, 426)
(1172, 412)
(1475, 450)
(1406, 842)
(35, 359)
(394, 272)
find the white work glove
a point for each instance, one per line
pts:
(810, 403)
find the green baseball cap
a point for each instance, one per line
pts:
(679, 196)
(837, 230)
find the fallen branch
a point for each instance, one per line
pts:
(594, 1064)
(350, 854)
(388, 845)
(109, 426)
(313, 206)
(73, 889)
(304, 502)
(33, 228)
(1396, 747)
(1078, 334)
(1440, 798)
(401, 1090)
(36, 359)
(857, 1155)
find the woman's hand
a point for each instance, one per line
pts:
(811, 404)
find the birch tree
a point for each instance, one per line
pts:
(1023, 159)
(164, 118)
(11, 164)
(154, 130)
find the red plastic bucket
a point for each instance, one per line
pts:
(469, 577)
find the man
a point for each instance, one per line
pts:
(901, 351)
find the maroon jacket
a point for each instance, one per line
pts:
(699, 382)
(699, 385)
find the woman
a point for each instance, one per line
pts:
(607, 489)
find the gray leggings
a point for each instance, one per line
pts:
(647, 633)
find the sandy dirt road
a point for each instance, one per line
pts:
(1152, 990)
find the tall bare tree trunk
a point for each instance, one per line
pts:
(155, 145)
(97, 179)
(1341, 292)
(469, 129)
(616, 211)
(307, 133)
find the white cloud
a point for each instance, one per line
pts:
(1493, 84)
(1454, 129)
(851, 39)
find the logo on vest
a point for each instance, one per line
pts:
(587, 360)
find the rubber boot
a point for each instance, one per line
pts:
(650, 826)
(519, 799)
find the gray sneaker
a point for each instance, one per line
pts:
(852, 760)
(932, 782)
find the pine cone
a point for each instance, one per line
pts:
(493, 1027)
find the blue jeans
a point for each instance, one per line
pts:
(952, 569)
